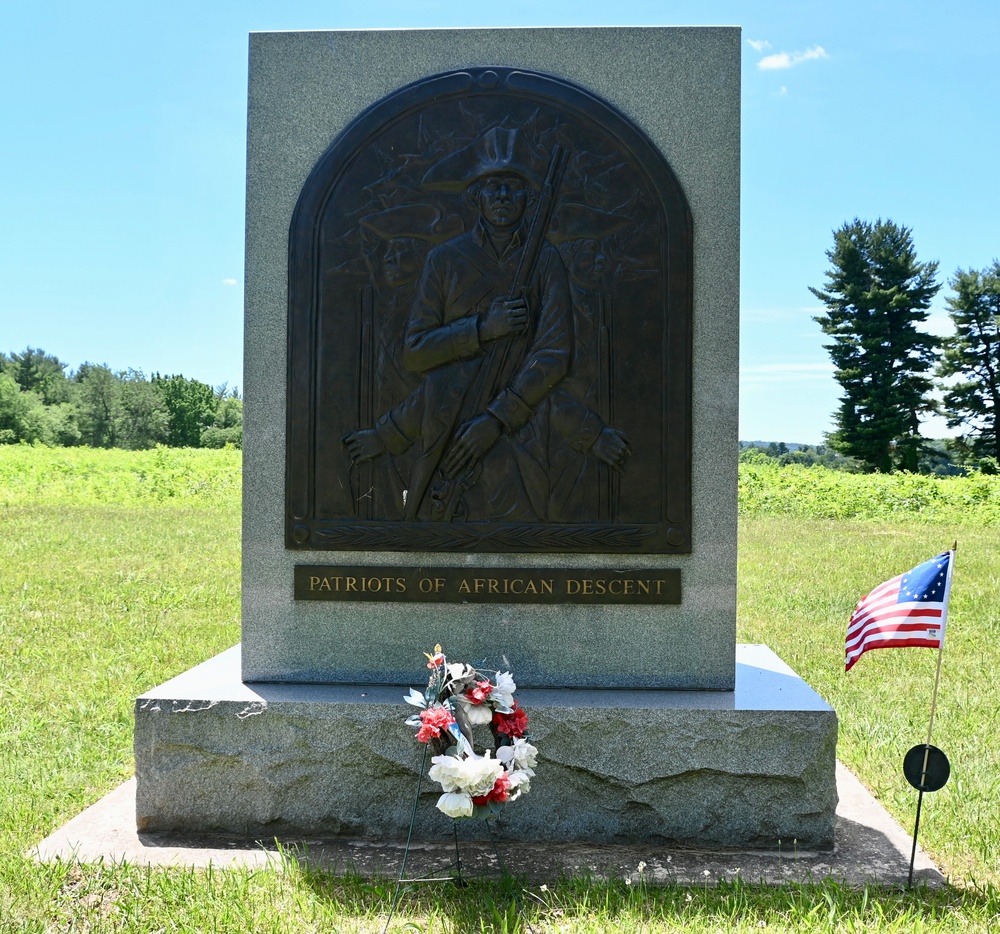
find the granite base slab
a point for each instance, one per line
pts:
(754, 767)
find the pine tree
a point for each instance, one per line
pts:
(876, 295)
(974, 353)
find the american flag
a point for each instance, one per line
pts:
(909, 610)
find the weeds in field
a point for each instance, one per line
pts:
(85, 476)
(817, 493)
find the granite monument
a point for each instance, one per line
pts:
(491, 402)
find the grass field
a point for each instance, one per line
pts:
(119, 570)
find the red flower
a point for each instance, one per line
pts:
(479, 693)
(433, 721)
(498, 792)
(513, 724)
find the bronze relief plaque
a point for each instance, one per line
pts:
(489, 328)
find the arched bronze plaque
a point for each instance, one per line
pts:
(489, 328)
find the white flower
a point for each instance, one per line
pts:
(455, 804)
(525, 755)
(478, 714)
(482, 775)
(473, 776)
(502, 695)
(505, 682)
(518, 783)
(448, 771)
(521, 755)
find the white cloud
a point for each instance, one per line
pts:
(782, 91)
(758, 45)
(787, 59)
(229, 282)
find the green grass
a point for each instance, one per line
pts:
(119, 570)
(797, 586)
(122, 898)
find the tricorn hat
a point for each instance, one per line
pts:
(498, 151)
(576, 221)
(418, 221)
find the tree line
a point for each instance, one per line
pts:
(42, 403)
(939, 458)
(877, 296)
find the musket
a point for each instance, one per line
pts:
(366, 409)
(540, 221)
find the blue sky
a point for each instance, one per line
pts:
(122, 167)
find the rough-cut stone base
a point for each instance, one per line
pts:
(750, 767)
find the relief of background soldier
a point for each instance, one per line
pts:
(494, 392)
(398, 239)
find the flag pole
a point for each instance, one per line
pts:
(930, 726)
(937, 675)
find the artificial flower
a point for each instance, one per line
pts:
(497, 793)
(448, 771)
(455, 804)
(502, 695)
(477, 714)
(512, 724)
(519, 755)
(518, 783)
(459, 671)
(474, 776)
(525, 755)
(434, 720)
(483, 774)
(478, 693)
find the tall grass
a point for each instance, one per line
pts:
(119, 570)
(83, 476)
(800, 492)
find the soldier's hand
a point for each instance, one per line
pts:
(472, 441)
(612, 447)
(502, 318)
(364, 445)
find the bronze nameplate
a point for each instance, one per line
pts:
(489, 328)
(487, 585)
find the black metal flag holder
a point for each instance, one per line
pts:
(925, 766)
(458, 878)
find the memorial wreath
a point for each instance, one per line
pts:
(459, 698)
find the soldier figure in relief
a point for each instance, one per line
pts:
(488, 360)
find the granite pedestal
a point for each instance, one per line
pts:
(753, 767)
